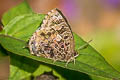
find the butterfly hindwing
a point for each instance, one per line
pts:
(54, 39)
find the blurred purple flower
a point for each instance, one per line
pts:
(70, 8)
(111, 3)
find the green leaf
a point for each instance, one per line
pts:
(49, 68)
(20, 22)
(93, 77)
(62, 73)
(23, 26)
(21, 67)
(21, 9)
(89, 60)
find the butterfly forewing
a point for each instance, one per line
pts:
(54, 38)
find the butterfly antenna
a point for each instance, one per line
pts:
(85, 45)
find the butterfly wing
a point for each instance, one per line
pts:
(54, 39)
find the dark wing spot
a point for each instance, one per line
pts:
(49, 33)
(42, 34)
(67, 44)
(56, 45)
(62, 46)
(60, 49)
(59, 41)
(51, 53)
(65, 37)
(41, 51)
(61, 31)
(52, 31)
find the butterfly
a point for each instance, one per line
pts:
(54, 39)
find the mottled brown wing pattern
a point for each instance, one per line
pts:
(54, 39)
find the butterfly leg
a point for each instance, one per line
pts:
(67, 62)
(73, 58)
(74, 61)
(54, 60)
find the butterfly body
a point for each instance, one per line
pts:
(54, 39)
